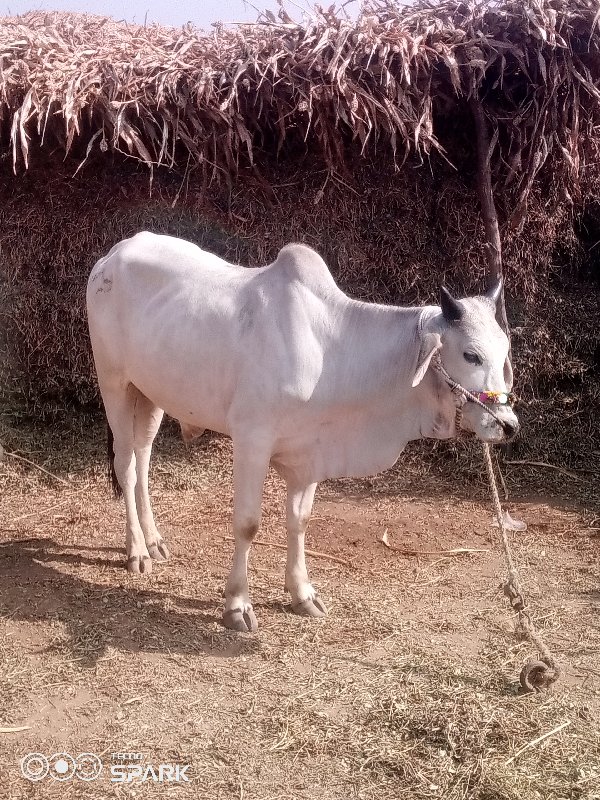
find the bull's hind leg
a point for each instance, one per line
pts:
(119, 403)
(250, 465)
(305, 600)
(147, 419)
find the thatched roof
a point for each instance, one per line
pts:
(181, 96)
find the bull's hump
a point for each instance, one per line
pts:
(301, 263)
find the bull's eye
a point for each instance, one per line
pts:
(472, 358)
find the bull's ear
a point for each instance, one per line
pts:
(508, 374)
(494, 292)
(451, 308)
(430, 344)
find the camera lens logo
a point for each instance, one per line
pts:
(89, 767)
(61, 767)
(34, 767)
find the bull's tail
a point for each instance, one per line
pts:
(112, 475)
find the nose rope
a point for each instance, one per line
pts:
(536, 674)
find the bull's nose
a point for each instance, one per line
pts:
(510, 429)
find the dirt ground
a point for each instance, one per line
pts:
(409, 689)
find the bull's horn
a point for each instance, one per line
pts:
(451, 308)
(494, 292)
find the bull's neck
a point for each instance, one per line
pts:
(381, 345)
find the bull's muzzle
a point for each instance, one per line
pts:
(510, 428)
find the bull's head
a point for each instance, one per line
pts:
(474, 352)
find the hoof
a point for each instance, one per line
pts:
(159, 551)
(311, 607)
(139, 565)
(238, 619)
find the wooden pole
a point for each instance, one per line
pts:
(485, 148)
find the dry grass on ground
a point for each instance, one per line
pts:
(408, 689)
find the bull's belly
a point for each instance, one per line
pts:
(193, 408)
(351, 449)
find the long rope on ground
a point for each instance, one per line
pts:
(536, 674)
(540, 673)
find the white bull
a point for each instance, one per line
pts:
(298, 374)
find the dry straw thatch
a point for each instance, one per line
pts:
(161, 94)
(380, 79)
(353, 135)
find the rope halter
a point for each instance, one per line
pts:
(485, 399)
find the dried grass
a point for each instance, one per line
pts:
(408, 689)
(217, 99)
(395, 241)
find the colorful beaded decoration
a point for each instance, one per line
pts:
(494, 398)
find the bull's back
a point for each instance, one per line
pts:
(203, 338)
(162, 316)
(147, 264)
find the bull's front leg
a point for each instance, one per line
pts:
(305, 600)
(249, 472)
